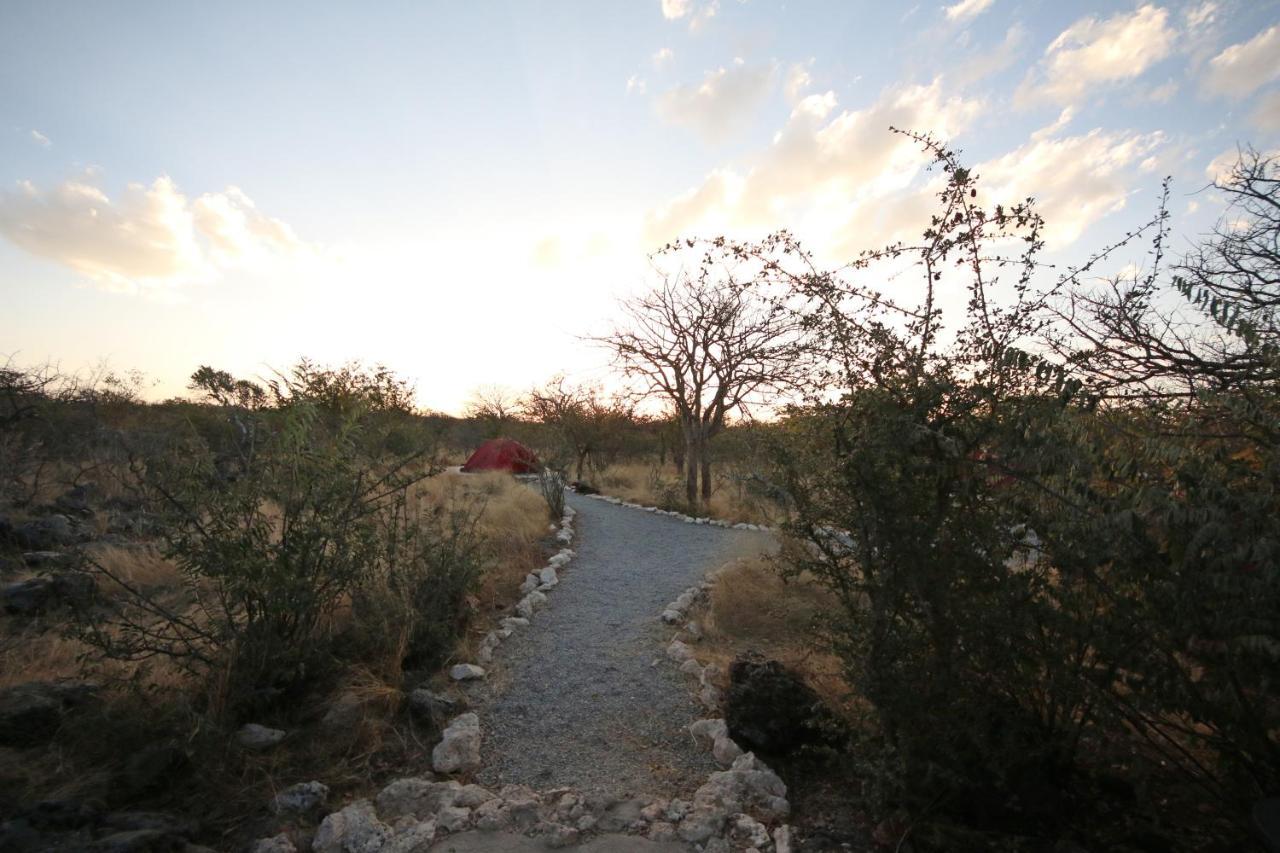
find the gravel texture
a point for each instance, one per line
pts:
(578, 700)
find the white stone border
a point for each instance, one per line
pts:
(687, 519)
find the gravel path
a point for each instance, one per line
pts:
(576, 699)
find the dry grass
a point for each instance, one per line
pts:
(139, 565)
(651, 485)
(753, 609)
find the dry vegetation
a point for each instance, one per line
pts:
(653, 485)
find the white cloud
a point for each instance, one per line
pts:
(662, 56)
(149, 236)
(820, 170)
(1092, 53)
(966, 9)
(40, 139)
(635, 85)
(705, 13)
(1201, 16)
(988, 61)
(1075, 180)
(1242, 68)
(721, 103)
(673, 9)
(798, 80)
(1266, 114)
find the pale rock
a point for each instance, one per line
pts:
(709, 731)
(413, 837)
(453, 818)
(472, 796)
(662, 832)
(586, 823)
(531, 602)
(466, 672)
(746, 831)
(684, 602)
(702, 823)
(301, 798)
(711, 673)
(415, 797)
(490, 815)
(717, 845)
(671, 617)
(710, 696)
(530, 583)
(725, 751)
(692, 667)
(459, 748)
(654, 811)
(511, 623)
(679, 652)
(694, 629)
(258, 738)
(782, 842)
(355, 829)
(548, 576)
(677, 809)
(557, 835)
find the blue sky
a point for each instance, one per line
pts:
(242, 183)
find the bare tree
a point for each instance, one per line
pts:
(708, 344)
(588, 423)
(495, 405)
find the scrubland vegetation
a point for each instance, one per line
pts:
(1028, 539)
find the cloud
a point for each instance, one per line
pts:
(1093, 52)
(721, 103)
(673, 9)
(40, 139)
(635, 85)
(797, 81)
(821, 167)
(662, 56)
(1241, 68)
(990, 61)
(149, 236)
(966, 9)
(1076, 180)
(1266, 114)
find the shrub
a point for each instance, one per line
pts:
(552, 484)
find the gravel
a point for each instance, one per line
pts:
(579, 700)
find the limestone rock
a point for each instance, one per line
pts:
(355, 829)
(258, 738)
(725, 751)
(453, 818)
(679, 652)
(432, 707)
(416, 797)
(276, 844)
(301, 798)
(459, 748)
(466, 672)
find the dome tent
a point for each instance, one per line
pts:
(503, 454)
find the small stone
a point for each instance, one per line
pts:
(654, 811)
(746, 831)
(459, 748)
(692, 667)
(677, 809)
(671, 617)
(557, 835)
(725, 751)
(678, 651)
(416, 797)
(530, 584)
(548, 576)
(355, 829)
(301, 798)
(662, 832)
(710, 697)
(258, 738)
(466, 672)
(531, 602)
(708, 731)
(472, 796)
(514, 622)
(782, 842)
(276, 844)
(412, 837)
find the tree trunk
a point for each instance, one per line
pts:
(677, 457)
(582, 458)
(691, 468)
(706, 475)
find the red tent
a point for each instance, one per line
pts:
(503, 454)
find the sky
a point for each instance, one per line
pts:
(463, 191)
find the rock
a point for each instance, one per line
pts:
(302, 798)
(48, 592)
(31, 713)
(621, 816)
(412, 838)
(530, 584)
(701, 824)
(531, 602)
(725, 751)
(684, 602)
(770, 709)
(694, 629)
(459, 749)
(782, 841)
(677, 809)
(692, 667)
(662, 831)
(276, 844)
(466, 672)
(258, 738)
(416, 797)
(548, 576)
(559, 559)
(710, 697)
(654, 811)
(711, 673)
(707, 732)
(746, 786)
(671, 617)
(45, 534)
(514, 622)
(718, 845)
(453, 818)
(679, 652)
(746, 831)
(472, 796)
(355, 829)
(557, 835)
(432, 707)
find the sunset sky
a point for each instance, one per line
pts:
(461, 190)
